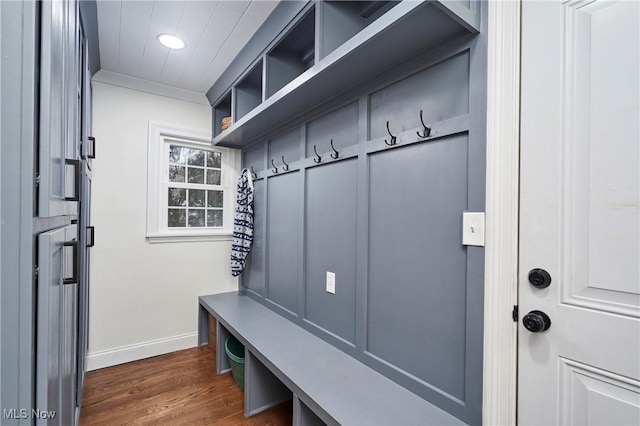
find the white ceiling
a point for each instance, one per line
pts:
(214, 33)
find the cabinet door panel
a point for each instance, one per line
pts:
(56, 325)
(86, 238)
(57, 175)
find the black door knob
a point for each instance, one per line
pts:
(536, 321)
(539, 278)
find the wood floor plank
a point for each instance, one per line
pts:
(180, 388)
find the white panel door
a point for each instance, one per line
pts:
(579, 213)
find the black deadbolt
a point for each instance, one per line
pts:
(539, 278)
(536, 321)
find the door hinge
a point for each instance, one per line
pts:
(37, 180)
(514, 313)
(36, 272)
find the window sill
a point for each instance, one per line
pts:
(186, 238)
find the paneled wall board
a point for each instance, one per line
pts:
(331, 246)
(417, 264)
(388, 222)
(253, 276)
(254, 157)
(282, 240)
(340, 125)
(441, 92)
(287, 145)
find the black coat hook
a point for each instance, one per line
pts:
(393, 138)
(275, 169)
(317, 158)
(286, 166)
(427, 130)
(253, 173)
(335, 153)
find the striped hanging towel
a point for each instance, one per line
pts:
(242, 223)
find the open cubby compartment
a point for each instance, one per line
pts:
(341, 20)
(249, 91)
(263, 390)
(293, 54)
(410, 31)
(303, 416)
(220, 111)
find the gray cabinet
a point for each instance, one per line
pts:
(56, 313)
(45, 206)
(58, 167)
(86, 230)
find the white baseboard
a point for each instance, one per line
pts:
(109, 357)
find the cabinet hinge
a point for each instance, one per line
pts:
(514, 313)
(36, 271)
(37, 180)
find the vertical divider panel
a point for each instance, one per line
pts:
(222, 362)
(302, 285)
(318, 33)
(362, 226)
(476, 202)
(264, 77)
(265, 220)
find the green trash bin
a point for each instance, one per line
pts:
(235, 352)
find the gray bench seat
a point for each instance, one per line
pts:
(325, 383)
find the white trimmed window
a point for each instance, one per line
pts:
(190, 186)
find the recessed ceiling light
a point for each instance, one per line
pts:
(171, 41)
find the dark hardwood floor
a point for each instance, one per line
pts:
(180, 388)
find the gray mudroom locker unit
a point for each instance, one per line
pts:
(46, 193)
(364, 125)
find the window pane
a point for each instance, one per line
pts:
(177, 197)
(196, 198)
(214, 217)
(213, 177)
(214, 159)
(214, 198)
(196, 158)
(177, 218)
(178, 154)
(195, 175)
(176, 174)
(196, 218)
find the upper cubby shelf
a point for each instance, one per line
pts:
(293, 55)
(321, 57)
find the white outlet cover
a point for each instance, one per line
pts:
(473, 229)
(331, 282)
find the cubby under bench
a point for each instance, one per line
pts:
(284, 361)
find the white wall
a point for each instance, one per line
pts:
(143, 297)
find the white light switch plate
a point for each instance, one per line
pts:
(331, 282)
(473, 229)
